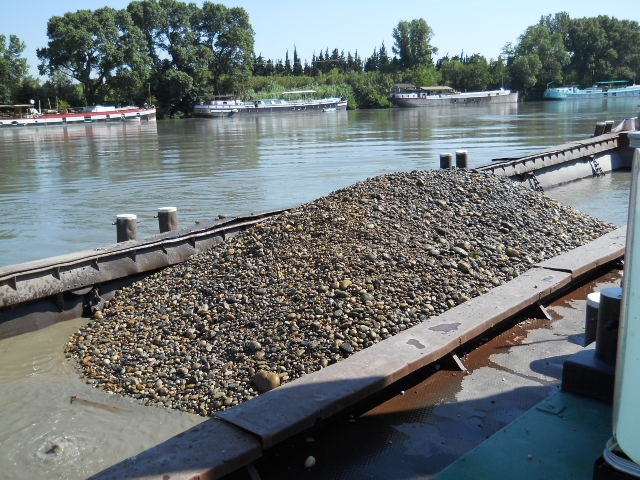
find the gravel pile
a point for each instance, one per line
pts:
(312, 286)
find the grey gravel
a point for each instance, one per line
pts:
(314, 285)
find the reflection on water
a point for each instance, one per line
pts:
(605, 197)
(62, 187)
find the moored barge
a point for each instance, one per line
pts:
(25, 115)
(410, 96)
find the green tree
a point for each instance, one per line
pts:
(129, 80)
(151, 18)
(173, 43)
(227, 34)
(102, 50)
(499, 73)
(465, 74)
(588, 45)
(297, 64)
(550, 49)
(83, 45)
(413, 44)
(13, 67)
(175, 92)
(525, 71)
(60, 91)
(624, 39)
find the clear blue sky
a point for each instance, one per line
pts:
(469, 26)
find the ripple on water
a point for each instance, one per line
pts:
(54, 449)
(60, 454)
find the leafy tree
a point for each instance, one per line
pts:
(150, 17)
(132, 73)
(412, 44)
(604, 48)
(61, 92)
(227, 34)
(100, 49)
(465, 73)
(624, 39)
(84, 46)
(13, 67)
(499, 73)
(525, 71)
(176, 92)
(549, 48)
(588, 45)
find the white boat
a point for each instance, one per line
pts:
(407, 95)
(610, 89)
(27, 115)
(222, 106)
(300, 102)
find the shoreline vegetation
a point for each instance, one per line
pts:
(174, 55)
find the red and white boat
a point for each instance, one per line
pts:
(28, 115)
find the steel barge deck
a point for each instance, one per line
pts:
(267, 426)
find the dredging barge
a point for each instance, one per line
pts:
(368, 373)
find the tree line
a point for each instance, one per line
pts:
(175, 54)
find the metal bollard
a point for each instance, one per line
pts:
(168, 219)
(446, 160)
(608, 125)
(599, 129)
(591, 317)
(461, 159)
(126, 227)
(608, 322)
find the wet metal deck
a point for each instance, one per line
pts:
(438, 426)
(560, 437)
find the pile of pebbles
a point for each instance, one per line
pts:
(312, 286)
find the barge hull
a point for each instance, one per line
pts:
(455, 101)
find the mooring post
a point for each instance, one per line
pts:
(591, 317)
(599, 129)
(608, 125)
(445, 160)
(461, 159)
(168, 219)
(608, 322)
(126, 226)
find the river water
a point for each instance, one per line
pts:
(62, 187)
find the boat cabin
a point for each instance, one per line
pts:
(19, 111)
(407, 90)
